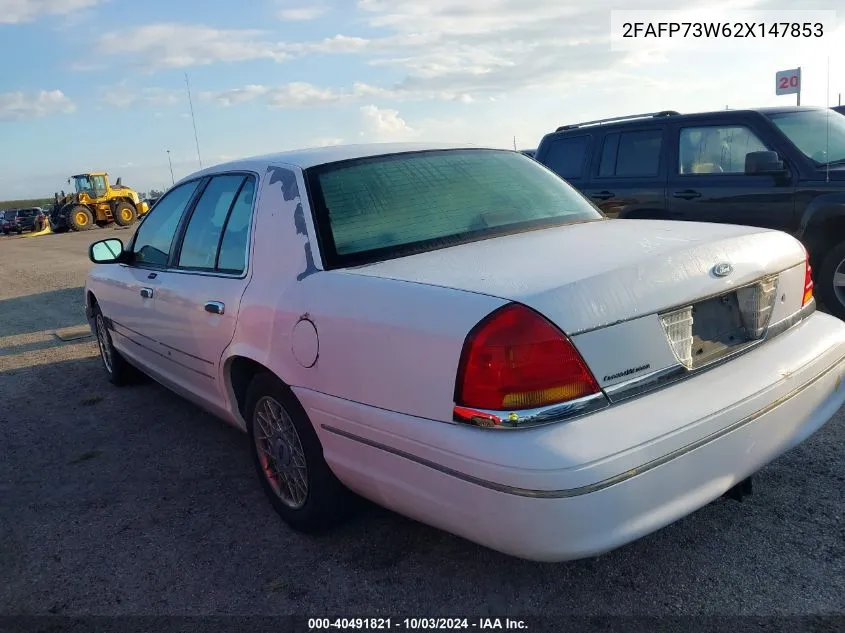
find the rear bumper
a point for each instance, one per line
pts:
(578, 489)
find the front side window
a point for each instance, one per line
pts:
(202, 237)
(716, 149)
(818, 134)
(395, 205)
(155, 234)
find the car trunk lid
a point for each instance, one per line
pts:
(591, 275)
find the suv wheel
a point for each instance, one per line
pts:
(830, 281)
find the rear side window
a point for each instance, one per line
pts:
(631, 154)
(199, 246)
(235, 243)
(567, 156)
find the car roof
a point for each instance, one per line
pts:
(311, 157)
(670, 114)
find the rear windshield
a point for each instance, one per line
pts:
(383, 207)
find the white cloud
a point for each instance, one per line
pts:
(297, 94)
(301, 14)
(171, 45)
(121, 95)
(235, 95)
(381, 124)
(300, 94)
(16, 11)
(18, 105)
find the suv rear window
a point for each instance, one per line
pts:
(390, 206)
(631, 154)
(567, 156)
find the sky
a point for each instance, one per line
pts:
(101, 84)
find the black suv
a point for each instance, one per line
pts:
(780, 168)
(20, 220)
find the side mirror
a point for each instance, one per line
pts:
(764, 163)
(106, 251)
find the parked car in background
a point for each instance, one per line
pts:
(780, 168)
(6, 218)
(458, 335)
(20, 220)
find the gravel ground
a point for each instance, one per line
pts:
(133, 501)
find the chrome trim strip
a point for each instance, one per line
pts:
(532, 418)
(605, 483)
(669, 375)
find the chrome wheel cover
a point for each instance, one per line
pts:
(280, 452)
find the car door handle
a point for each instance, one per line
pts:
(215, 307)
(687, 194)
(602, 195)
(147, 293)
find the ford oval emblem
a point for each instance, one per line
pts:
(722, 269)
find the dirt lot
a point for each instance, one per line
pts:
(133, 501)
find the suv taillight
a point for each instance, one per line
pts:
(514, 360)
(808, 282)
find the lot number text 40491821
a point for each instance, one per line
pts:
(416, 624)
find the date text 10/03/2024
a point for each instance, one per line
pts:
(415, 624)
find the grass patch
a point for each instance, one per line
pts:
(90, 401)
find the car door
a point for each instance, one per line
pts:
(629, 175)
(708, 183)
(126, 292)
(198, 296)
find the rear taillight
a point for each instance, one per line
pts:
(515, 360)
(808, 283)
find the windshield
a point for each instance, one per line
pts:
(818, 134)
(83, 183)
(390, 206)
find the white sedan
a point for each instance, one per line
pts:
(458, 335)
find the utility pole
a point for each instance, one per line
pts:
(193, 119)
(172, 179)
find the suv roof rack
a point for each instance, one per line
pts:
(647, 115)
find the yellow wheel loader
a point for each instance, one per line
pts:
(95, 202)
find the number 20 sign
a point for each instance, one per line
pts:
(788, 82)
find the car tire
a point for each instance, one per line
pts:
(301, 487)
(79, 218)
(831, 296)
(120, 372)
(125, 214)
